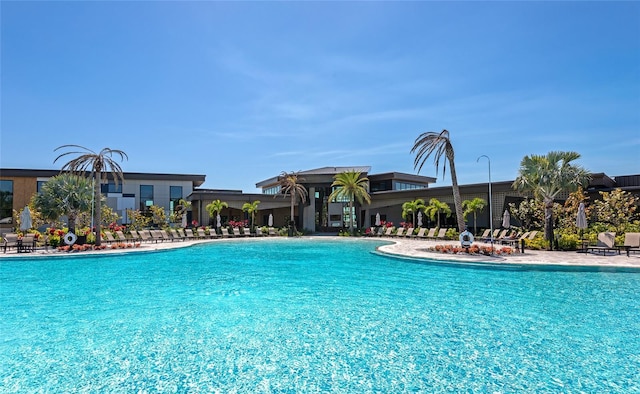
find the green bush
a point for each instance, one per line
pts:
(451, 233)
(568, 241)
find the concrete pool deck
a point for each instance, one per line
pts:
(411, 248)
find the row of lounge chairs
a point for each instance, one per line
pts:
(606, 243)
(422, 233)
(179, 235)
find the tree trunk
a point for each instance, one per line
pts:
(351, 217)
(97, 215)
(548, 221)
(457, 201)
(475, 226)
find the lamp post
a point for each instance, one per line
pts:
(490, 205)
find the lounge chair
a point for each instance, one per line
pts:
(502, 235)
(135, 236)
(121, 237)
(201, 233)
(606, 243)
(189, 233)
(165, 236)
(381, 231)
(145, 235)
(259, 232)
(109, 237)
(10, 241)
(175, 235)
(399, 233)
(388, 232)
(246, 231)
(225, 233)
(441, 234)
(272, 231)
(236, 232)
(28, 243)
(431, 234)
(420, 234)
(409, 232)
(485, 235)
(515, 241)
(631, 242)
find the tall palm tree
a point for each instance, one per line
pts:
(215, 207)
(473, 206)
(182, 208)
(412, 208)
(436, 208)
(99, 165)
(350, 185)
(251, 208)
(546, 177)
(290, 184)
(64, 194)
(439, 145)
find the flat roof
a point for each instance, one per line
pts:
(196, 179)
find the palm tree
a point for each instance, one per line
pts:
(289, 184)
(99, 165)
(251, 208)
(350, 185)
(215, 207)
(64, 194)
(473, 206)
(547, 176)
(412, 208)
(435, 208)
(439, 145)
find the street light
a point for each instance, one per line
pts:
(490, 205)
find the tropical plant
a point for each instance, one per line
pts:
(473, 206)
(98, 164)
(569, 211)
(138, 219)
(617, 208)
(215, 207)
(439, 145)
(182, 208)
(436, 208)
(158, 216)
(411, 208)
(251, 208)
(350, 185)
(64, 194)
(290, 184)
(548, 176)
(530, 214)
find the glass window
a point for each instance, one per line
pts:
(39, 185)
(6, 201)
(146, 197)
(111, 187)
(175, 194)
(271, 190)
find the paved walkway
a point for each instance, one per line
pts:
(405, 248)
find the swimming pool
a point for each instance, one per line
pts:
(299, 315)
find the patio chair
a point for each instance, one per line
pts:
(272, 231)
(201, 233)
(431, 234)
(108, 236)
(145, 235)
(441, 234)
(606, 243)
(165, 236)
(121, 237)
(246, 231)
(225, 232)
(485, 235)
(10, 241)
(259, 232)
(420, 234)
(28, 243)
(236, 232)
(631, 242)
(409, 232)
(388, 232)
(399, 233)
(175, 234)
(189, 233)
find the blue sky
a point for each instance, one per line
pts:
(241, 91)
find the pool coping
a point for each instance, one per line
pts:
(412, 249)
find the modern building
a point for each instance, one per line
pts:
(317, 214)
(138, 191)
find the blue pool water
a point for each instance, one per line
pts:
(294, 315)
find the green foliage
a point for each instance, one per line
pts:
(538, 243)
(411, 209)
(138, 220)
(350, 186)
(452, 233)
(64, 194)
(251, 208)
(436, 208)
(215, 207)
(617, 208)
(568, 241)
(530, 213)
(473, 206)
(158, 216)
